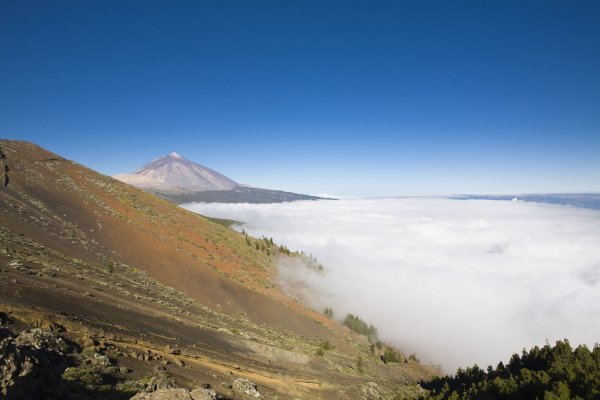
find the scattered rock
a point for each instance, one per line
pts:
(246, 387)
(99, 360)
(165, 394)
(30, 363)
(177, 394)
(48, 325)
(204, 394)
(371, 391)
(160, 381)
(42, 340)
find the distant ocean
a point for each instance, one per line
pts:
(582, 200)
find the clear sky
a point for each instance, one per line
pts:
(344, 97)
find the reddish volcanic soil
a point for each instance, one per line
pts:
(113, 264)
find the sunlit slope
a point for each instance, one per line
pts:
(98, 219)
(103, 259)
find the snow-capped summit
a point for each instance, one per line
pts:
(176, 173)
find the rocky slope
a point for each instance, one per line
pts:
(148, 292)
(29, 364)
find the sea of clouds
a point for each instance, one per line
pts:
(455, 281)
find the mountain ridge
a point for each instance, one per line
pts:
(152, 287)
(177, 179)
(172, 172)
(239, 194)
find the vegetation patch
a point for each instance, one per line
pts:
(556, 372)
(391, 356)
(361, 327)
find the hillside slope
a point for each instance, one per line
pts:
(240, 194)
(157, 288)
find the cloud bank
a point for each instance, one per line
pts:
(456, 281)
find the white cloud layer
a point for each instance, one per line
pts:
(458, 282)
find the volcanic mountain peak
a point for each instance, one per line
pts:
(173, 172)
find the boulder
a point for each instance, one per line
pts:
(160, 381)
(30, 363)
(165, 394)
(177, 394)
(203, 394)
(246, 387)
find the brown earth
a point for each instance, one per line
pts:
(163, 287)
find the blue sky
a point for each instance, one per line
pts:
(345, 97)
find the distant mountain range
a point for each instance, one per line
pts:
(239, 194)
(180, 180)
(582, 200)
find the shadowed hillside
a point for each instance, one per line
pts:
(240, 194)
(155, 289)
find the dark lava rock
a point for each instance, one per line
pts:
(30, 364)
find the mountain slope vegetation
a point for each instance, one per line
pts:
(556, 372)
(240, 194)
(144, 289)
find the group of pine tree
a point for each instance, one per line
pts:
(556, 372)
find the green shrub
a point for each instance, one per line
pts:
(556, 372)
(391, 356)
(87, 377)
(89, 351)
(359, 326)
(325, 345)
(359, 365)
